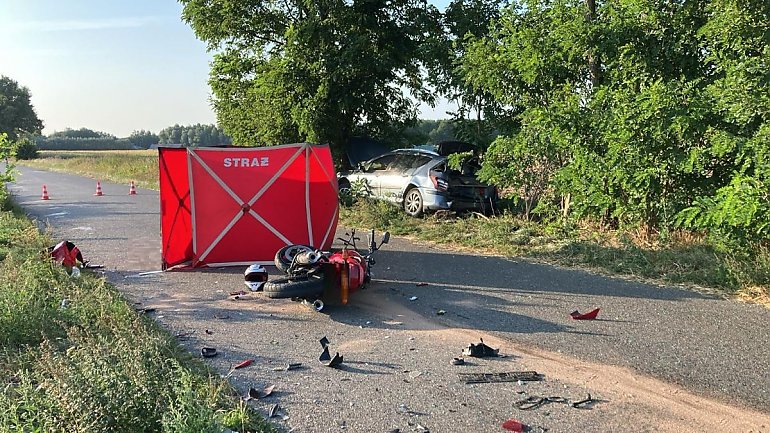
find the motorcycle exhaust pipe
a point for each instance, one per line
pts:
(317, 305)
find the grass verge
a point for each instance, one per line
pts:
(681, 258)
(120, 166)
(76, 357)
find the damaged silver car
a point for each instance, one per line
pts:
(421, 181)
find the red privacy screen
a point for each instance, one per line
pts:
(237, 206)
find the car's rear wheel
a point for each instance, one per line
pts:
(413, 205)
(344, 187)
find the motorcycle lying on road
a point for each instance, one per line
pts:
(312, 274)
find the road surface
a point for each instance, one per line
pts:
(659, 358)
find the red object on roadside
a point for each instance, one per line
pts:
(45, 194)
(591, 315)
(245, 363)
(513, 425)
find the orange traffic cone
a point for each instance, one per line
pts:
(132, 189)
(98, 188)
(45, 194)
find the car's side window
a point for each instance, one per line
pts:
(401, 163)
(441, 168)
(419, 161)
(381, 163)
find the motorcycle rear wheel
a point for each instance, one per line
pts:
(308, 286)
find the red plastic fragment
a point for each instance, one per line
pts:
(245, 363)
(591, 315)
(513, 425)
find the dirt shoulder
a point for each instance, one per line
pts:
(397, 372)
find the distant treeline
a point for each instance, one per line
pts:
(194, 135)
(82, 139)
(426, 131)
(87, 139)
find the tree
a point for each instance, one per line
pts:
(143, 139)
(17, 115)
(80, 133)
(319, 71)
(478, 114)
(737, 42)
(193, 135)
(609, 97)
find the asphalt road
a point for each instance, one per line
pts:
(659, 358)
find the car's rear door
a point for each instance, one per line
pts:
(399, 173)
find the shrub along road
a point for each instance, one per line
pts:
(659, 359)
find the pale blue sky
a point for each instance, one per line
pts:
(113, 66)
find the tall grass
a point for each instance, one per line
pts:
(120, 166)
(76, 357)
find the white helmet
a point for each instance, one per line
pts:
(255, 276)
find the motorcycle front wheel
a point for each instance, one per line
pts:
(285, 255)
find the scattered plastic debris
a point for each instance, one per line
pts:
(273, 411)
(257, 394)
(143, 274)
(208, 352)
(145, 310)
(64, 304)
(75, 272)
(413, 298)
(457, 361)
(513, 425)
(581, 404)
(480, 350)
(326, 358)
(421, 284)
(440, 312)
(534, 402)
(243, 364)
(209, 332)
(513, 376)
(591, 315)
(287, 367)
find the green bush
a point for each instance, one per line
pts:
(25, 149)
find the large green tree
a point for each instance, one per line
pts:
(737, 49)
(17, 115)
(320, 71)
(611, 106)
(478, 113)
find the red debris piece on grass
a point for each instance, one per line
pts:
(245, 363)
(513, 425)
(591, 315)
